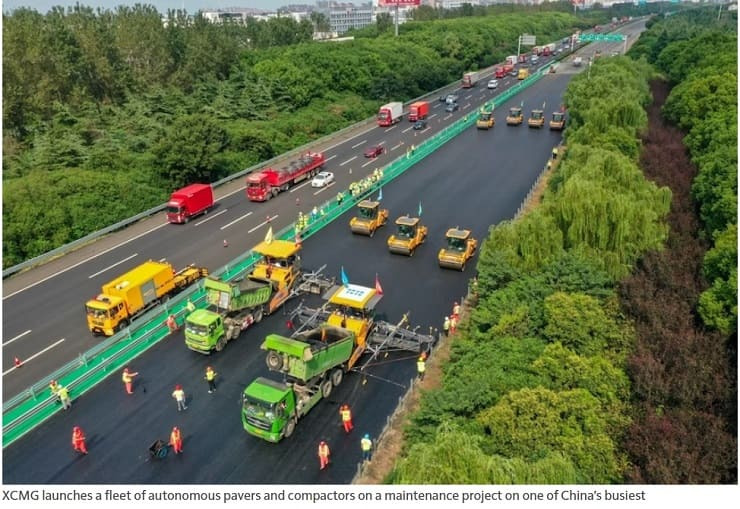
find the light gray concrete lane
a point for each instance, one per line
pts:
(459, 185)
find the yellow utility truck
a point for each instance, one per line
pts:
(523, 73)
(410, 235)
(460, 248)
(138, 290)
(369, 218)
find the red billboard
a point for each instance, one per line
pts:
(400, 3)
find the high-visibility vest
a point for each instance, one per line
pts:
(175, 437)
(456, 309)
(210, 374)
(346, 415)
(446, 325)
(421, 366)
(366, 444)
(63, 393)
(126, 377)
(178, 394)
(324, 451)
(77, 437)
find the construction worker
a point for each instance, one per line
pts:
(456, 309)
(211, 379)
(54, 388)
(340, 198)
(446, 326)
(314, 213)
(176, 440)
(179, 396)
(128, 380)
(190, 306)
(171, 323)
(555, 153)
(474, 286)
(323, 455)
(346, 414)
(453, 324)
(63, 394)
(78, 440)
(421, 367)
(367, 447)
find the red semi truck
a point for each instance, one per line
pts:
(499, 72)
(390, 113)
(263, 185)
(548, 50)
(188, 202)
(418, 111)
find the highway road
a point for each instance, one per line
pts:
(44, 324)
(476, 181)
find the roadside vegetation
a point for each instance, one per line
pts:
(105, 112)
(584, 359)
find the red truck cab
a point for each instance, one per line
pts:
(188, 202)
(418, 111)
(499, 72)
(268, 183)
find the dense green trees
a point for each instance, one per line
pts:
(140, 106)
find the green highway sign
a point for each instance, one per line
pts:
(601, 38)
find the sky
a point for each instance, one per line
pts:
(43, 6)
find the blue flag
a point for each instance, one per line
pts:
(380, 194)
(345, 279)
(419, 209)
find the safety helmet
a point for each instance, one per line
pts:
(76, 428)
(455, 303)
(209, 368)
(421, 357)
(447, 317)
(322, 443)
(125, 370)
(367, 435)
(178, 387)
(175, 428)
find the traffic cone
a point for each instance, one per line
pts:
(17, 362)
(226, 243)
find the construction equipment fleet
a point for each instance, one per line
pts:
(328, 342)
(266, 184)
(410, 235)
(234, 306)
(469, 79)
(188, 202)
(536, 119)
(369, 218)
(460, 248)
(485, 118)
(515, 116)
(390, 113)
(557, 123)
(133, 293)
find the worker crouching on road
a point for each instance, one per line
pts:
(78, 440)
(176, 440)
(346, 414)
(323, 455)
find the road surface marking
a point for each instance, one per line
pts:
(34, 356)
(83, 261)
(466, 106)
(425, 129)
(371, 161)
(298, 187)
(382, 143)
(161, 260)
(358, 144)
(390, 129)
(432, 116)
(19, 336)
(348, 161)
(342, 142)
(330, 158)
(407, 129)
(233, 192)
(211, 216)
(448, 116)
(394, 148)
(437, 105)
(263, 223)
(236, 220)
(324, 188)
(468, 96)
(111, 266)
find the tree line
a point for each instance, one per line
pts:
(106, 111)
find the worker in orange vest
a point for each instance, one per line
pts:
(176, 440)
(453, 324)
(78, 440)
(456, 309)
(128, 380)
(346, 414)
(171, 323)
(323, 455)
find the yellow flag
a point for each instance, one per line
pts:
(268, 237)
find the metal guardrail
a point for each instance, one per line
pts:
(28, 409)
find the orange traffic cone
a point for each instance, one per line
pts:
(226, 243)
(17, 362)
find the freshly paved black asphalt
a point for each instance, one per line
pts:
(477, 180)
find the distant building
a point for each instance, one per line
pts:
(343, 16)
(237, 14)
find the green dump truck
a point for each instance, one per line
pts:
(313, 363)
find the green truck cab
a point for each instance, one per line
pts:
(235, 305)
(313, 363)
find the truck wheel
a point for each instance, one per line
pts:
(275, 192)
(289, 428)
(274, 361)
(122, 325)
(326, 388)
(221, 343)
(337, 376)
(257, 315)
(235, 333)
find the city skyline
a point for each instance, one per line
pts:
(162, 6)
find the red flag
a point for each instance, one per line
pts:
(378, 288)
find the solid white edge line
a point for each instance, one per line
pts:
(19, 336)
(34, 356)
(111, 266)
(236, 220)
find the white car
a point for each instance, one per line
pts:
(324, 178)
(493, 84)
